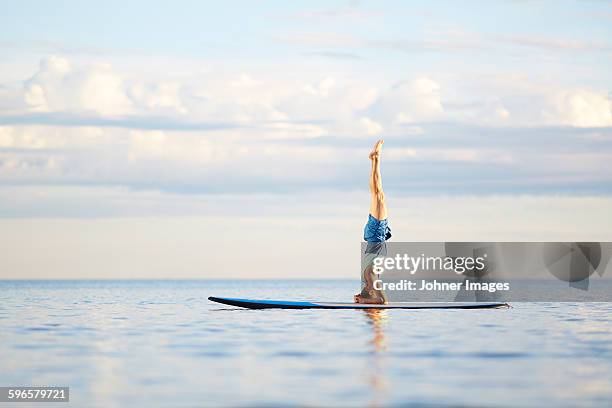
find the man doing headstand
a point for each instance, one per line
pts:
(376, 233)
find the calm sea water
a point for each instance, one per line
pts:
(162, 343)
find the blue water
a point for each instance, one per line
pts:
(163, 344)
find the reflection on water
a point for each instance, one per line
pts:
(377, 319)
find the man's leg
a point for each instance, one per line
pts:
(378, 207)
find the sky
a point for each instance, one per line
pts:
(196, 139)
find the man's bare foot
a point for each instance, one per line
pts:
(377, 149)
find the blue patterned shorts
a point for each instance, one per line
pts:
(376, 230)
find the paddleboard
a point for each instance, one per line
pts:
(284, 304)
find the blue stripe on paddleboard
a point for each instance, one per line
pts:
(271, 302)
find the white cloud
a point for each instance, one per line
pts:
(321, 88)
(502, 113)
(299, 106)
(57, 86)
(580, 108)
(288, 131)
(410, 101)
(472, 155)
(34, 96)
(300, 124)
(245, 80)
(163, 97)
(372, 128)
(6, 136)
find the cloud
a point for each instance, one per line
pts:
(408, 102)
(372, 128)
(57, 86)
(161, 98)
(337, 102)
(432, 158)
(62, 93)
(237, 130)
(580, 108)
(151, 122)
(98, 92)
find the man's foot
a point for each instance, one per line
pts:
(373, 300)
(375, 153)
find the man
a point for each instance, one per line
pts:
(376, 233)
